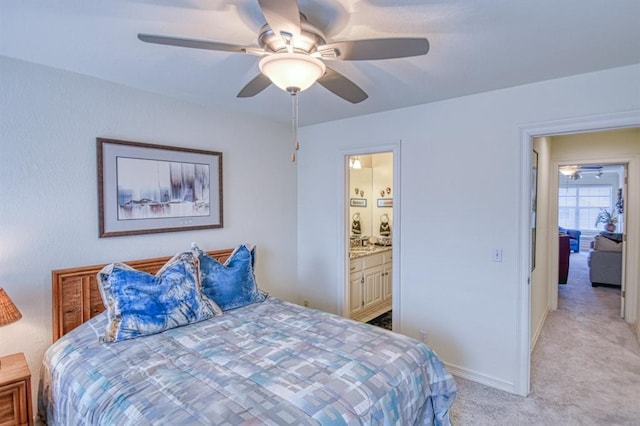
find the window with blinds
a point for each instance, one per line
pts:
(578, 206)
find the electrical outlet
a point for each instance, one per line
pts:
(305, 302)
(496, 255)
(423, 336)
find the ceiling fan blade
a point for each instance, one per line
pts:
(337, 83)
(381, 48)
(283, 16)
(193, 43)
(255, 86)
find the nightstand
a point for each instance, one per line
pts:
(15, 391)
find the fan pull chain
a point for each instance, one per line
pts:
(294, 124)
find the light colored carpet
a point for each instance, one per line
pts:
(585, 368)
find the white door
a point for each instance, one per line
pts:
(372, 286)
(356, 305)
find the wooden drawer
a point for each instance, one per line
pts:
(13, 404)
(15, 391)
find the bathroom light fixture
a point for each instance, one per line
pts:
(356, 164)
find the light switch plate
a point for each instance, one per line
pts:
(496, 255)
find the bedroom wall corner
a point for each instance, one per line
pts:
(48, 202)
(461, 195)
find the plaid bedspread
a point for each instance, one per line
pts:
(272, 363)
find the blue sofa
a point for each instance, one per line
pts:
(574, 235)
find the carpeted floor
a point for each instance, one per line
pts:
(585, 368)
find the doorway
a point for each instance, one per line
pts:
(631, 156)
(371, 237)
(610, 151)
(591, 218)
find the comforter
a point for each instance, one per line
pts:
(272, 363)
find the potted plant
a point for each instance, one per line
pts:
(609, 218)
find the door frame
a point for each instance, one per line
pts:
(343, 228)
(528, 132)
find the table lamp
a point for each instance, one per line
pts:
(8, 311)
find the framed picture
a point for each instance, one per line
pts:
(144, 188)
(385, 202)
(358, 202)
(534, 206)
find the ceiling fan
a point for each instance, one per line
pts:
(293, 52)
(575, 172)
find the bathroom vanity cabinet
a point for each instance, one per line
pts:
(370, 285)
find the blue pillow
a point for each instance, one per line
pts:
(139, 303)
(233, 284)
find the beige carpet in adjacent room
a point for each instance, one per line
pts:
(585, 368)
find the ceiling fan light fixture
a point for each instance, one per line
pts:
(292, 72)
(568, 170)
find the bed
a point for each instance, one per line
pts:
(268, 362)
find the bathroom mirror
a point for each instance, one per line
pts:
(371, 194)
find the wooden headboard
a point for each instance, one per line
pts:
(76, 297)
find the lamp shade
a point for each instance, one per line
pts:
(292, 72)
(8, 311)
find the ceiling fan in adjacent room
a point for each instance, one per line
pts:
(575, 172)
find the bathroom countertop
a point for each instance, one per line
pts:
(356, 252)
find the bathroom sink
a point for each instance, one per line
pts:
(368, 248)
(358, 251)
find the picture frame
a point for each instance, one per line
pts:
(358, 202)
(385, 202)
(145, 188)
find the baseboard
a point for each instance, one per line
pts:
(536, 334)
(483, 379)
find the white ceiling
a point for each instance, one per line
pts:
(476, 46)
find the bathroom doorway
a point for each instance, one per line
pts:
(369, 233)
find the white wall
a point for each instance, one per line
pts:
(460, 185)
(49, 121)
